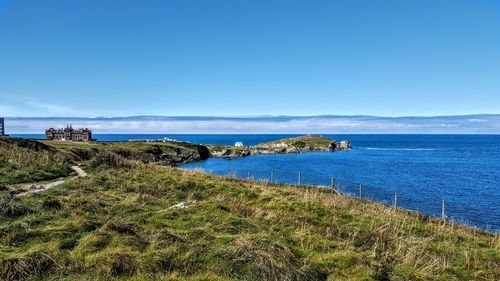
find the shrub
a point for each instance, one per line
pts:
(300, 144)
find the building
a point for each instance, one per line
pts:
(2, 126)
(238, 144)
(69, 134)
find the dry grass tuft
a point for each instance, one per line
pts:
(12, 207)
(119, 226)
(22, 266)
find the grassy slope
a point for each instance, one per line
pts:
(143, 151)
(116, 223)
(27, 161)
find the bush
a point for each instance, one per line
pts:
(300, 144)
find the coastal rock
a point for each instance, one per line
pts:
(229, 153)
(175, 155)
(343, 145)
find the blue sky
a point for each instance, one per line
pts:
(247, 58)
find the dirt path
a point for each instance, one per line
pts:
(79, 171)
(34, 188)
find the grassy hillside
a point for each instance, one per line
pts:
(118, 223)
(164, 152)
(26, 161)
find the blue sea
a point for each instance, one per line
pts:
(463, 170)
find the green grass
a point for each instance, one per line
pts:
(117, 224)
(175, 152)
(27, 161)
(302, 141)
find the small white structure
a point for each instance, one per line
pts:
(238, 144)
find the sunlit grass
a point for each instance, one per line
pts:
(118, 223)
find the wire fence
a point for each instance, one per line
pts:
(397, 200)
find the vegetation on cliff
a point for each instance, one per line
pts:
(168, 153)
(118, 223)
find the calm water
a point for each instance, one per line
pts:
(464, 170)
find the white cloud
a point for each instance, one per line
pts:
(283, 124)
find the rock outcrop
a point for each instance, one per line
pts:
(178, 155)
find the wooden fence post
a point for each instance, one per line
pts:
(299, 179)
(395, 200)
(272, 176)
(333, 184)
(248, 174)
(360, 188)
(443, 214)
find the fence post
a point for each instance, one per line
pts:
(443, 214)
(360, 188)
(248, 174)
(272, 176)
(395, 200)
(333, 184)
(299, 179)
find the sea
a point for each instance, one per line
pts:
(424, 170)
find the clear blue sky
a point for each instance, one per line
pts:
(235, 57)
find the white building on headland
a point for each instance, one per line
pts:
(238, 144)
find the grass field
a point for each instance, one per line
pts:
(118, 223)
(27, 161)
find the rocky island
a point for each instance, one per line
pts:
(291, 145)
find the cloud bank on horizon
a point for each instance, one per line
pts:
(466, 124)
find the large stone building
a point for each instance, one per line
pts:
(69, 134)
(2, 127)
